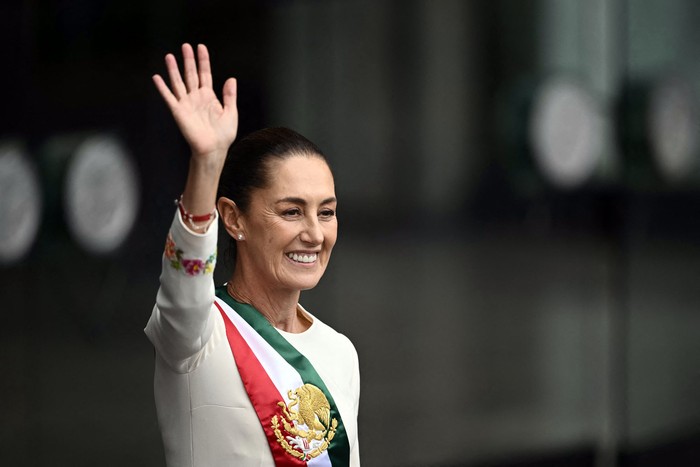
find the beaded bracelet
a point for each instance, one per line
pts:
(191, 218)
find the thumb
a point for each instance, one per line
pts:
(230, 93)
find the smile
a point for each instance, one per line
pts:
(303, 258)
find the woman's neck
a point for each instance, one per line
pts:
(279, 307)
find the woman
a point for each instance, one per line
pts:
(244, 375)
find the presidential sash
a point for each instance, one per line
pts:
(297, 411)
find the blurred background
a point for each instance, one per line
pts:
(519, 253)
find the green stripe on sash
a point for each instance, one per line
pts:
(339, 449)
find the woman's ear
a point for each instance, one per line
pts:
(231, 217)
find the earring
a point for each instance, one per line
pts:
(240, 236)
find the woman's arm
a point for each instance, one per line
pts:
(181, 322)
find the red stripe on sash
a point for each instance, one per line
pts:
(261, 391)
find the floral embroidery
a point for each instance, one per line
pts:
(191, 267)
(170, 251)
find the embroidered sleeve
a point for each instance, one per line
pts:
(182, 322)
(180, 261)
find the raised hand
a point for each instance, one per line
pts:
(208, 126)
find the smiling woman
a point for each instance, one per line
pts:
(244, 374)
(285, 234)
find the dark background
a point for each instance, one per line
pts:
(500, 319)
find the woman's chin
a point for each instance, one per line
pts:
(304, 283)
(308, 284)
(304, 277)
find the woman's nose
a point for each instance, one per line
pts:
(312, 232)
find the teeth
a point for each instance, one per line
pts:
(303, 258)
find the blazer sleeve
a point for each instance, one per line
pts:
(182, 319)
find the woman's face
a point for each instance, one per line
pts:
(291, 227)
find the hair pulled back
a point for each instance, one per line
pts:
(248, 165)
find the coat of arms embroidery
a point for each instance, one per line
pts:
(307, 428)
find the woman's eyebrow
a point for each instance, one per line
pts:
(303, 202)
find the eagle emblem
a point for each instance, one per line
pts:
(306, 427)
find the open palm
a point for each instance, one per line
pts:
(208, 126)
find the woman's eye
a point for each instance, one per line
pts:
(327, 213)
(292, 212)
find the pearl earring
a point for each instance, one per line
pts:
(240, 236)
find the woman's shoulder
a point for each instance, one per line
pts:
(338, 339)
(322, 334)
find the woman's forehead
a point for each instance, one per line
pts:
(301, 173)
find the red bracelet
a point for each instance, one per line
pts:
(191, 217)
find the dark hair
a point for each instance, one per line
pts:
(247, 165)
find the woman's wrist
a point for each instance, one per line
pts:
(197, 204)
(197, 222)
(211, 162)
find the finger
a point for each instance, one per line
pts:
(176, 84)
(230, 93)
(164, 91)
(205, 79)
(191, 78)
